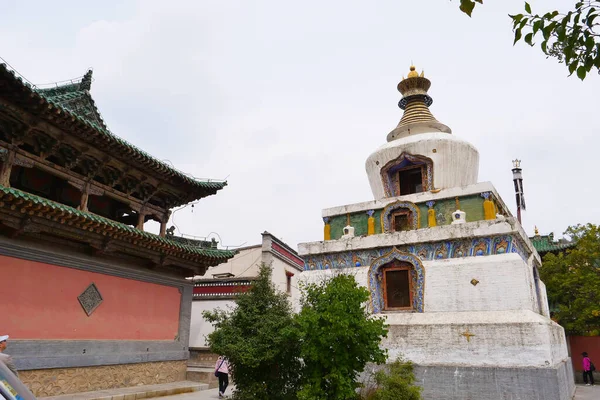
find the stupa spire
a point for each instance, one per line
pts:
(415, 102)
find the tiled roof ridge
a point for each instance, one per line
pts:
(546, 243)
(138, 156)
(71, 211)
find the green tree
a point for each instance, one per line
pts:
(573, 280)
(339, 337)
(396, 384)
(573, 38)
(261, 342)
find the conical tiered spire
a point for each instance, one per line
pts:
(415, 102)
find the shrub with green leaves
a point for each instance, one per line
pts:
(261, 342)
(339, 337)
(396, 383)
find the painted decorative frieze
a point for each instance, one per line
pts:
(482, 246)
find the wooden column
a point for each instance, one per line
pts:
(163, 223)
(6, 169)
(83, 205)
(140, 224)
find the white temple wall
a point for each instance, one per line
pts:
(199, 327)
(544, 299)
(500, 339)
(504, 284)
(455, 162)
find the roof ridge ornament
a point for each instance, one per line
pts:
(86, 81)
(415, 102)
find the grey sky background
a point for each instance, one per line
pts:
(288, 99)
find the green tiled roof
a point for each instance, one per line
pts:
(73, 213)
(546, 244)
(73, 103)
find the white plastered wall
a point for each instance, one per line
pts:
(199, 327)
(455, 161)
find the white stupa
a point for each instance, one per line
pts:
(447, 265)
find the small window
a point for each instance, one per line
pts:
(411, 180)
(397, 288)
(401, 221)
(288, 283)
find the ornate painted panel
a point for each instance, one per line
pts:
(417, 275)
(482, 246)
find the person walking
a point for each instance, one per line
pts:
(222, 372)
(588, 370)
(5, 358)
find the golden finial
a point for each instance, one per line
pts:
(536, 231)
(457, 203)
(422, 74)
(413, 73)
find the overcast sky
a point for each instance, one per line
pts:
(286, 100)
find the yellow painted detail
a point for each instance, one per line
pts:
(327, 232)
(413, 73)
(371, 226)
(431, 218)
(489, 209)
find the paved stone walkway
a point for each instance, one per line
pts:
(138, 392)
(583, 392)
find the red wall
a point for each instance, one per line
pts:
(39, 301)
(589, 344)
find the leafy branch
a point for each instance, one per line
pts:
(571, 38)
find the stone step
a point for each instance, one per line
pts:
(200, 364)
(133, 393)
(203, 374)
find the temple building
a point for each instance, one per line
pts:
(91, 300)
(545, 244)
(447, 266)
(220, 285)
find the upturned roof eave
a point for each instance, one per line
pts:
(127, 152)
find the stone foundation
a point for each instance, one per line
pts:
(477, 383)
(59, 381)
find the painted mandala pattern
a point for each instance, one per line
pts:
(375, 279)
(427, 251)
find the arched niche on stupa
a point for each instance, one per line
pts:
(407, 174)
(396, 283)
(400, 216)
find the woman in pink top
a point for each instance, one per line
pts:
(222, 372)
(588, 371)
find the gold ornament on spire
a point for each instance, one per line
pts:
(413, 73)
(536, 231)
(415, 102)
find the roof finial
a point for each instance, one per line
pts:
(413, 73)
(415, 102)
(537, 233)
(86, 82)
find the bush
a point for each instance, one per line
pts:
(261, 342)
(395, 384)
(339, 337)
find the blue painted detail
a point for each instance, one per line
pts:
(386, 215)
(376, 278)
(477, 247)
